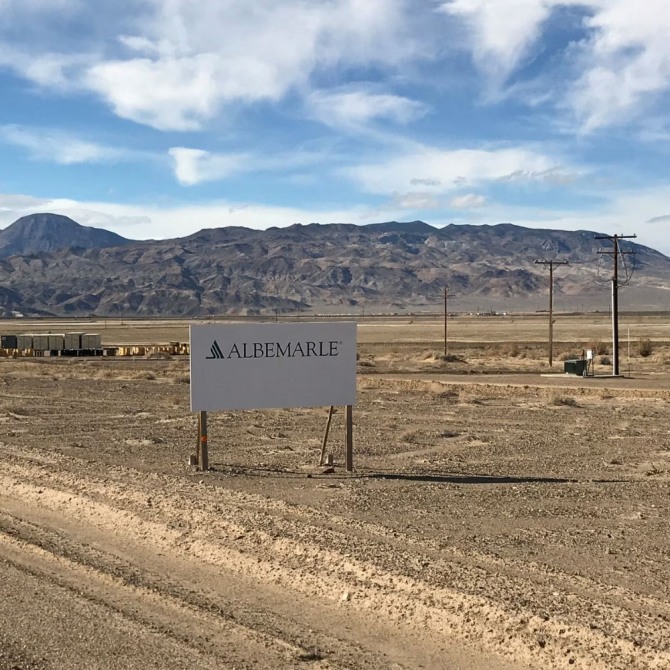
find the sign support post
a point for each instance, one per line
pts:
(325, 435)
(350, 439)
(202, 453)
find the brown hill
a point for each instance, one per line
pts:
(48, 232)
(391, 266)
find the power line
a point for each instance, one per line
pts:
(551, 265)
(615, 253)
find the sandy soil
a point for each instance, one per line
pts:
(493, 522)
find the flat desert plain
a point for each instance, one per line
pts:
(501, 515)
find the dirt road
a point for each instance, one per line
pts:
(485, 527)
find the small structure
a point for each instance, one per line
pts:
(583, 367)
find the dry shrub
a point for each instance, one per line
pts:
(182, 379)
(600, 348)
(17, 410)
(419, 436)
(645, 347)
(451, 358)
(605, 360)
(564, 401)
(513, 349)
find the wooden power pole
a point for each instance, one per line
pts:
(446, 314)
(551, 265)
(615, 253)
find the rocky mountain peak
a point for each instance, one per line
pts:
(44, 232)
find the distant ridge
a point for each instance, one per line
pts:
(46, 232)
(61, 268)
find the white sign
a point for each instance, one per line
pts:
(262, 365)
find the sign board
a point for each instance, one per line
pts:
(263, 365)
(589, 354)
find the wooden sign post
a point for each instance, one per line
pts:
(349, 438)
(202, 455)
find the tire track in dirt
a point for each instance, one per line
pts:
(148, 601)
(324, 563)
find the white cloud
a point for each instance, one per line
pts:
(415, 200)
(502, 31)
(424, 182)
(13, 202)
(623, 62)
(46, 70)
(178, 64)
(442, 171)
(626, 62)
(468, 201)
(556, 175)
(59, 147)
(356, 107)
(193, 166)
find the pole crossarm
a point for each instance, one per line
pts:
(551, 264)
(615, 253)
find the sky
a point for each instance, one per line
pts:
(156, 118)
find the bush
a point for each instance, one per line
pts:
(451, 358)
(564, 401)
(645, 347)
(600, 348)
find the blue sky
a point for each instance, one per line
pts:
(155, 118)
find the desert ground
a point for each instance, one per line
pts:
(501, 515)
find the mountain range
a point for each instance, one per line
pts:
(50, 265)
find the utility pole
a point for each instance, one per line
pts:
(446, 313)
(615, 253)
(552, 265)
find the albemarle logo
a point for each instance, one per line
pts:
(298, 349)
(216, 351)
